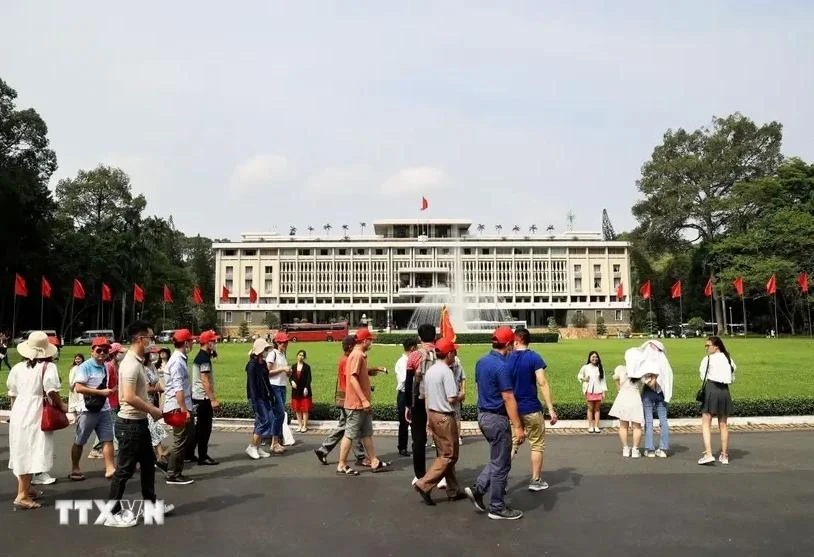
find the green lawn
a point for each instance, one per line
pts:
(766, 368)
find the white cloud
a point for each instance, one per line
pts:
(416, 179)
(335, 179)
(259, 171)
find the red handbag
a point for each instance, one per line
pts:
(53, 418)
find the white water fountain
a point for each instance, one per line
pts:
(465, 318)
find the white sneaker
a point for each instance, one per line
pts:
(626, 452)
(124, 519)
(168, 509)
(723, 458)
(262, 452)
(253, 453)
(590, 429)
(460, 440)
(635, 453)
(43, 479)
(415, 481)
(650, 454)
(706, 459)
(442, 484)
(661, 453)
(538, 485)
(597, 430)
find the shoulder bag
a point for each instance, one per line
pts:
(701, 394)
(53, 418)
(95, 403)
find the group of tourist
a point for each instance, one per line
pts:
(122, 394)
(645, 385)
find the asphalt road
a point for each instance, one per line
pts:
(598, 504)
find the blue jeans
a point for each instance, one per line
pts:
(263, 419)
(651, 399)
(498, 432)
(277, 410)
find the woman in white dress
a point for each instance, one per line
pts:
(628, 409)
(31, 450)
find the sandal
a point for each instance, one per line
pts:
(77, 477)
(347, 471)
(35, 494)
(363, 462)
(26, 505)
(382, 467)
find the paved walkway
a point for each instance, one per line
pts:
(598, 504)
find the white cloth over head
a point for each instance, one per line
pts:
(651, 358)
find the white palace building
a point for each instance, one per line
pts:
(411, 265)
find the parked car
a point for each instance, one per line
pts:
(165, 337)
(87, 336)
(53, 337)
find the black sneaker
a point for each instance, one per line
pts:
(180, 480)
(161, 465)
(476, 497)
(208, 461)
(425, 496)
(191, 459)
(322, 456)
(506, 514)
(404, 452)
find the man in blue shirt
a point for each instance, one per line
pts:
(497, 414)
(528, 373)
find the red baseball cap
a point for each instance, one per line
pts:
(115, 348)
(503, 335)
(362, 334)
(183, 335)
(444, 346)
(207, 337)
(100, 341)
(281, 337)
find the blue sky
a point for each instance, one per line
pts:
(255, 115)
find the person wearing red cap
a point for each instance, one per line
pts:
(441, 393)
(93, 411)
(204, 400)
(279, 372)
(497, 414)
(418, 363)
(178, 397)
(359, 423)
(115, 356)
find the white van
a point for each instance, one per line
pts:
(87, 336)
(165, 336)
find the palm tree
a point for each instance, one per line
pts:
(310, 230)
(498, 228)
(516, 228)
(533, 228)
(362, 225)
(345, 230)
(327, 229)
(292, 231)
(481, 228)
(550, 228)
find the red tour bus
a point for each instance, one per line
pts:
(316, 332)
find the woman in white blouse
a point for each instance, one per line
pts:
(594, 386)
(718, 370)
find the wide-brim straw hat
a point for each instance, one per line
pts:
(260, 345)
(37, 347)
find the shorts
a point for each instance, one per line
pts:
(87, 422)
(534, 426)
(359, 424)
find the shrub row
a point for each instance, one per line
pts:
(797, 406)
(463, 338)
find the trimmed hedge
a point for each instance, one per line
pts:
(463, 338)
(796, 406)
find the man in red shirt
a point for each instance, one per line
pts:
(359, 424)
(336, 436)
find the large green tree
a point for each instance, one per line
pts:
(689, 185)
(26, 165)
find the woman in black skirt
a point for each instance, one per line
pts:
(719, 370)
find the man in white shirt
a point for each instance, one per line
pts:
(440, 392)
(279, 372)
(178, 397)
(410, 345)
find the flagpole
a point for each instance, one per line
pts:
(808, 307)
(680, 314)
(712, 309)
(42, 307)
(743, 301)
(650, 312)
(163, 313)
(776, 330)
(70, 325)
(723, 307)
(14, 315)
